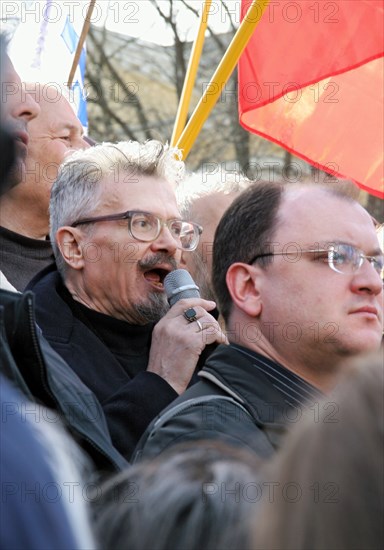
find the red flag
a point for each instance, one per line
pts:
(311, 80)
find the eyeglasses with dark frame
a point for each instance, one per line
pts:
(342, 258)
(146, 227)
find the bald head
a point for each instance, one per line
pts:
(53, 135)
(54, 107)
(207, 212)
(204, 200)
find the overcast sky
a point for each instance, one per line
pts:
(141, 19)
(137, 18)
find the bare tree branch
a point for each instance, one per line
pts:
(180, 67)
(161, 71)
(135, 100)
(213, 35)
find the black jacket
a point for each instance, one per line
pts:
(28, 360)
(129, 402)
(259, 423)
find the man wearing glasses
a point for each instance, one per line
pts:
(116, 233)
(297, 273)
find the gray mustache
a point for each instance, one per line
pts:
(149, 263)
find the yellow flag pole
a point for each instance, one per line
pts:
(190, 77)
(221, 76)
(82, 38)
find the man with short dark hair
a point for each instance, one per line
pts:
(297, 272)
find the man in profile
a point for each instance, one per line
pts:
(53, 134)
(297, 272)
(19, 110)
(31, 366)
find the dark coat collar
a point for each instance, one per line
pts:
(241, 376)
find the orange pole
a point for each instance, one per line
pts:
(190, 77)
(221, 76)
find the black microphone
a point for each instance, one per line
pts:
(179, 284)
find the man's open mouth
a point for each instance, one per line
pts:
(156, 277)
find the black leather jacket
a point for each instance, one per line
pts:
(255, 417)
(28, 360)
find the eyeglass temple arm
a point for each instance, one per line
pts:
(111, 217)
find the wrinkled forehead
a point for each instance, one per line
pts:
(132, 191)
(51, 99)
(310, 216)
(55, 111)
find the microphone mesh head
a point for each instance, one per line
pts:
(178, 285)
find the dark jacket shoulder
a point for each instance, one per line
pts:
(30, 362)
(129, 403)
(233, 401)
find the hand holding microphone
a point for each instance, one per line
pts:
(176, 344)
(178, 285)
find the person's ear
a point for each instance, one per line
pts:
(69, 242)
(244, 283)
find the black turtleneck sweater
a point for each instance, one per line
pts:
(21, 257)
(129, 344)
(110, 356)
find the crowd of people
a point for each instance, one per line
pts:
(250, 416)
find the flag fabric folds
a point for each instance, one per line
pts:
(311, 80)
(43, 48)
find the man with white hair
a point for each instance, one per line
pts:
(117, 232)
(53, 134)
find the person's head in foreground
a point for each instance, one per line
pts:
(328, 479)
(18, 109)
(195, 496)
